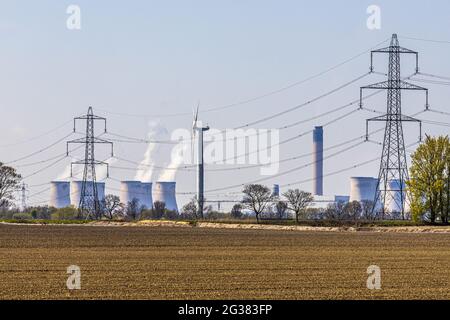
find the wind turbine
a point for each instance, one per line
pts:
(198, 128)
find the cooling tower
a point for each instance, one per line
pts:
(75, 191)
(165, 192)
(395, 200)
(59, 194)
(130, 190)
(363, 188)
(146, 196)
(318, 161)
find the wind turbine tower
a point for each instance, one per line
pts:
(197, 128)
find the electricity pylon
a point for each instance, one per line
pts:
(393, 172)
(89, 204)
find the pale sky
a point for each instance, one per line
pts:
(136, 62)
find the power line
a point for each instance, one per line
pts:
(360, 164)
(39, 151)
(30, 164)
(425, 40)
(278, 114)
(190, 167)
(259, 97)
(443, 83)
(439, 112)
(434, 76)
(288, 171)
(36, 137)
(44, 168)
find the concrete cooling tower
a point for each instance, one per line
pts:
(142, 191)
(75, 191)
(363, 188)
(146, 197)
(395, 199)
(130, 190)
(165, 192)
(59, 194)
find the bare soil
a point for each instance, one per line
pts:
(165, 262)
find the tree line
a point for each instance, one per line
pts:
(428, 195)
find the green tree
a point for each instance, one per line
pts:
(429, 180)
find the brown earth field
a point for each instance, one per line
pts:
(213, 263)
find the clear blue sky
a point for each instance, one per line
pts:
(160, 57)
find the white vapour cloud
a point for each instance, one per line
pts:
(77, 170)
(177, 158)
(65, 174)
(144, 172)
(101, 170)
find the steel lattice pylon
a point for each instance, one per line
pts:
(393, 172)
(89, 205)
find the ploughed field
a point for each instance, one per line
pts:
(201, 263)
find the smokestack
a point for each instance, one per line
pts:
(75, 191)
(165, 192)
(318, 161)
(59, 194)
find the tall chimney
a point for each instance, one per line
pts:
(318, 161)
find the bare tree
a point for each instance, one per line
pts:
(335, 211)
(236, 211)
(256, 198)
(133, 209)
(354, 210)
(298, 201)
(159, 208)
(9, 183)
(111, 205)
(281, 208)
(367, 211)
